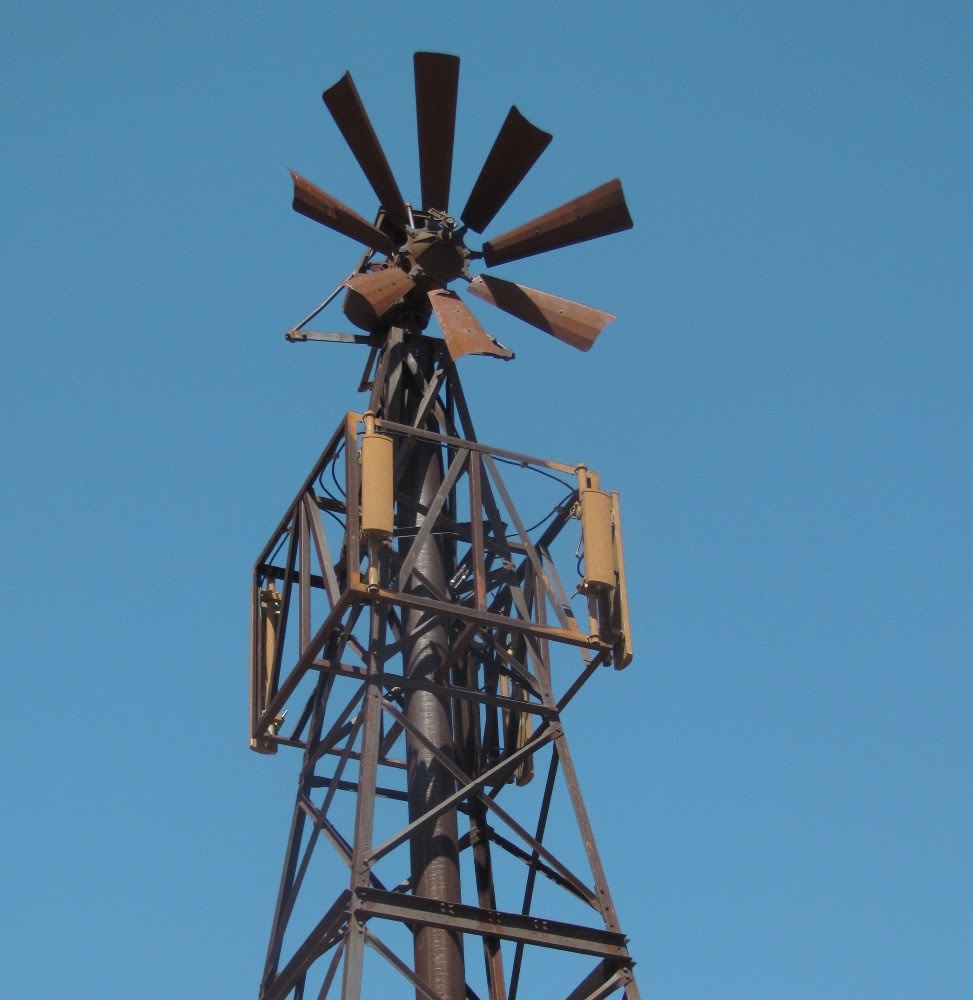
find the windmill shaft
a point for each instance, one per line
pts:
(433, 848)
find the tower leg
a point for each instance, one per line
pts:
(365, 810)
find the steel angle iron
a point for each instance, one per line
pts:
(407, 614)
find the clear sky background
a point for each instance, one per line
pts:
(781, 782)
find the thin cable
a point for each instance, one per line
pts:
(325, 490)
(335, 516)
(334, 474)
(533, 468)
(280, 545)
(546, 517)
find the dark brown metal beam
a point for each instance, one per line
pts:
(326, 933)
(461, 918)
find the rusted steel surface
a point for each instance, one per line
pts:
(437, 84)
(466, 788)
(517, 148)
(623, 652)
(423, 989)
(361, 876)
(433, 846)
(570, 322)
(349, 113)
(601, 982)
(286, 688)
(431, 515)
(372, 294)
(461, 329)
(327, 336)
(302, 530)
(352, 548)
(600, 212)
(412, 664)
(316, 204)
(508, 926)
(323, 935)
(477, 540)
(444, 690)
(569, 636)
(428, 243)
(452, 440)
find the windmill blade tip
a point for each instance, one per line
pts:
(616, 183)
(541, 132)
(344, 79)
(434, 55)
(299, 183)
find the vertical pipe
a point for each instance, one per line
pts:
(434, 848)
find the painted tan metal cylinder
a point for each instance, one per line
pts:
(262, 669)
(596, 530)
(377, 512)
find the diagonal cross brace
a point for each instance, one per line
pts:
(493, 776)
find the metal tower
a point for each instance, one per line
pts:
(410, 620)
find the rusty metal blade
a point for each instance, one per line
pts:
(598, 213)
(570, 322)
(371, 295)
(437, 83)
(517, 148)
(349, 113)
(316, 204)
(461, 330)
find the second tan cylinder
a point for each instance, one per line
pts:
(596, 530)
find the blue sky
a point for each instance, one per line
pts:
(781, 782)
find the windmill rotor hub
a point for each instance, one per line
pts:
(440, 255)
(424, 251)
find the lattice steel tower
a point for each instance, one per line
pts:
(409, 617)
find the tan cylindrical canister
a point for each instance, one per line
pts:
(377, 512)
(596, 530)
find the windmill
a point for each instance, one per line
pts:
(411, 619)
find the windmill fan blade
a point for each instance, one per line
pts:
(570, 322)
(461, 330)
(437, 83)
(351, 118)
(320, 206)
(517, 148)
(598, 213)
(371, 295)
